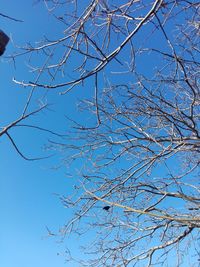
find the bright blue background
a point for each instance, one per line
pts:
(28, 202)
(29, 191)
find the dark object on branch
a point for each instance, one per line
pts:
(193, 208)
(4, 39)
(106, 208)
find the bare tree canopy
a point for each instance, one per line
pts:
(137, 139)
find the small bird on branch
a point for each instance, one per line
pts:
(106, 208)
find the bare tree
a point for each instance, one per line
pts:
(29, 109)
(139, 191)
(26, 112)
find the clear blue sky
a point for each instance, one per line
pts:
(27, 200)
